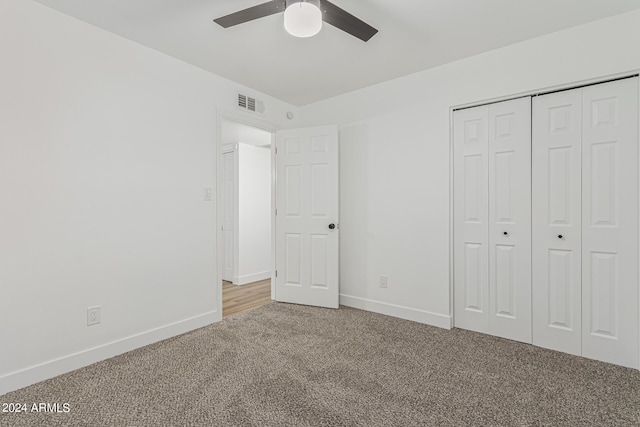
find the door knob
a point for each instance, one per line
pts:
(506, 233)
(332, 226)
(560, 236)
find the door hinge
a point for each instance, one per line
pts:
(276, 151)
(276, 212)
(276, 273)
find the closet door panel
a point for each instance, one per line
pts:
(471, 290)
(610, 222)
(509, 155)
(556, 225)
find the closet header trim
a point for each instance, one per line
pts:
(534, 94)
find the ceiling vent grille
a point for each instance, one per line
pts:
(248, 103)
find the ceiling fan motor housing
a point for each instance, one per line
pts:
(303, 18)
(313, 2)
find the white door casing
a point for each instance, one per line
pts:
(556, 225)
(229, 209)
(471, 276)
(610, 222)
(307, 256)
(509, 146)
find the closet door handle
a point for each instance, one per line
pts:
(506, 233)
(560, 236)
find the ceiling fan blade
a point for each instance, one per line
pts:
(339, 18)
(251, 13)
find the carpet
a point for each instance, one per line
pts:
(290, 365)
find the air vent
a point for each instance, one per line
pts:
(250, 104)
(242, 101)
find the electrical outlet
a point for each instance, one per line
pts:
(93, 315)
(383, 281)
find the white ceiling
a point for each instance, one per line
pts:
(413, 35)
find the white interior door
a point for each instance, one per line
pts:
(610, 222)
(228, 209)
(557, 230)
(471, 223)
(307, 233)
(509, 158)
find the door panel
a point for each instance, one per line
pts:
(604, 289)
(319, 257)
(293, 260)
(307, 203)
(509, 155)
(559, 287)
(556, 185)
(505, 303)
(229, 208)
(610, 222)
(471, 288)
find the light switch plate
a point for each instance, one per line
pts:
(208, 194)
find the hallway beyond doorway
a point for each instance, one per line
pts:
(236, 299)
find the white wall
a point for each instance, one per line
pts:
(106, 146)
(105, 149)
(394, 158)
(254, 224)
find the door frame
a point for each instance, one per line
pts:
(223, 115)
(535, 92)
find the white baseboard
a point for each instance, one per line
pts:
(407, 313)
(250, 278)
(23, 378)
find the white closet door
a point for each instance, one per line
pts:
(610, 222)
(471, 289)
(557, 210)
(509, 148)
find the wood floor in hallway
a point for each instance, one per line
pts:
(236, 299)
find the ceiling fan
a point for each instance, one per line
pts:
(303, 18)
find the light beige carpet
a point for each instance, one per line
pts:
(288, 365)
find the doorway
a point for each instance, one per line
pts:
(305, 213)
(245, 198)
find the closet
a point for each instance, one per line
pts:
(546, 220)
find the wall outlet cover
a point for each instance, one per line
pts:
(93, 315)
(383, 281)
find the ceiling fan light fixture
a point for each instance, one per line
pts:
(303, 18)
